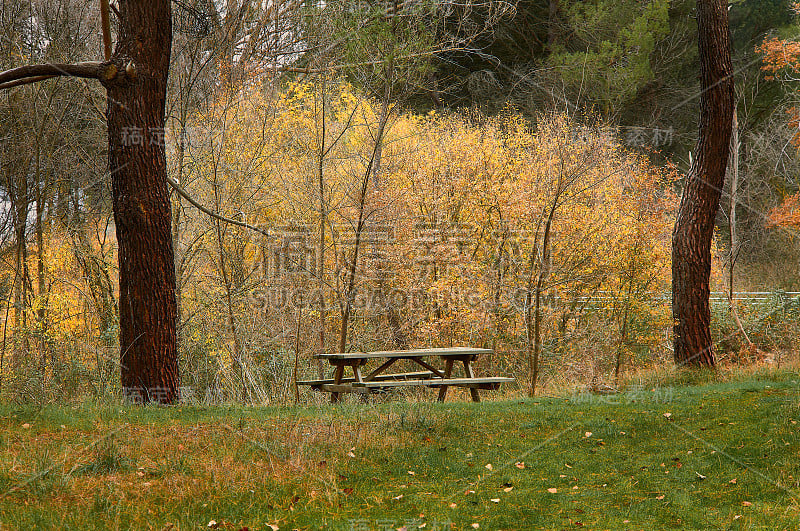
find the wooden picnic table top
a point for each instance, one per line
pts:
(431, 377)
(414, 353)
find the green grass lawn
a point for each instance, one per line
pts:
(713, 456)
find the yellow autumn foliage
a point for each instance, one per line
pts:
(453, 232)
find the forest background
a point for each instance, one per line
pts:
(370, 175)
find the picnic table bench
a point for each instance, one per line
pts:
(378, 379)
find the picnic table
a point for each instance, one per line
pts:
(378, 380)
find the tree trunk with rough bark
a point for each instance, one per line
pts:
(554, 8)
(694, 227)
(147, 306)
(135, 77)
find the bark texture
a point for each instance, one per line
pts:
(694, 227)
(147, 305)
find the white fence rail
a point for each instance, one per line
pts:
(716, 297)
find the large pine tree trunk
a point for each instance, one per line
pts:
(552, 23)
(694, 227)
(147, 306)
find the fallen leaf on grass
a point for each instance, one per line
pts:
(294, 500)
(489, 467)
(520, 464)
(26, 425)
(351, 454)
(348, 490)
(412, 473)
(273, 527)
(495, 500)
(733, 481)
(469, 492)
(552, 490)
(587, 434)
(660, 497)
(667, 415)
(476, 525)
(453, 505)
(508, 489)
(746, 503)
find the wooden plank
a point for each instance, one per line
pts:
(421, 375)
(445, 352)
(340, 388)
(385, 365)
(357, 373)
(428, 366)
(338, 374)
(392, 376)
(469, 374)
(432, 384)
(448, 371)
(436, 382)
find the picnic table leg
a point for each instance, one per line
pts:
(469, 373)
(448, 369)
(337, 379)
(359, 378)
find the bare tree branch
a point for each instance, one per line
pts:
(183, 193)
(25, 81)
(32, 73)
